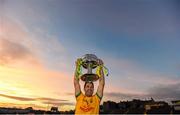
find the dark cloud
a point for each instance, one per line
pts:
(160, 92)
(17, 98)
(122, 96)
(50, 99)
(11, 51)
(42, 99)
(165, 91)
(58, 103)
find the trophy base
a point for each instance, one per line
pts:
(89, 77)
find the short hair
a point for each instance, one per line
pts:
(88, 82)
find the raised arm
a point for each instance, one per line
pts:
(100, 89)
(76, 82)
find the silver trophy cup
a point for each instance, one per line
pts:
(89, 62)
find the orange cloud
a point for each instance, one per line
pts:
(34, 86)
(16, 48)
(23, 68)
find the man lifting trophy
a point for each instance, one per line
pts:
(88, 103)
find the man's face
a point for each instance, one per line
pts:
(89, 89)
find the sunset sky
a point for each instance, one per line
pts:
(138, 40)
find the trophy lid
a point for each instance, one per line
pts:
(90, 57)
